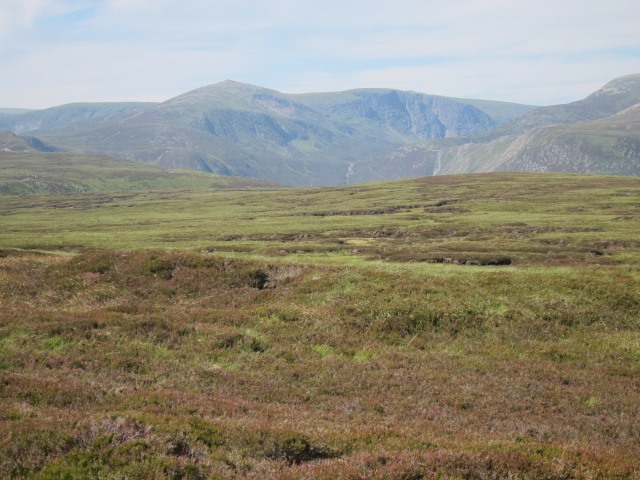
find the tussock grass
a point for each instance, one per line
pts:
(473, 220)
(324, 348)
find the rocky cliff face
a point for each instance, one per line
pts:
(600, 134)
(412, 114)
(610, 145)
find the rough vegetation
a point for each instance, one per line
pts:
(373, 331)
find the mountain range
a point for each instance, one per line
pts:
(235, 129)
(599, 134)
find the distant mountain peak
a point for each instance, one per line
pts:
(230, 82)
(233, 85)
(621, 85)
(616, 95)
(224, 94)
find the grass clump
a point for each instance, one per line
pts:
(275, 358)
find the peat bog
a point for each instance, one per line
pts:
(462, 327)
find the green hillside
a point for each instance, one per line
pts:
(609, 146)
(25, 169)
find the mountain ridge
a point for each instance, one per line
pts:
(613, 97)
(598, 134)
(233, 128)
(358, 135)
(71, 115)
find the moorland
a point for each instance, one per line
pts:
(457, 327)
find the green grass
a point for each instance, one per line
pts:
(326, 333)
(32, 172)
(481, 219)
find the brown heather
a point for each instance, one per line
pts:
(281, 360)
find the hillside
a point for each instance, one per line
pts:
(362, 135)
(12, 143)
(463, 326)
(70, 117)
(237, 129)
(615, 96)
(610, 145)
(8, 114)
(29, 166)
(500, 112)
(568, 141)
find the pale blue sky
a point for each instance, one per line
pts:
(529, 51)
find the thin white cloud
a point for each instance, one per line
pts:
(114, 72)
(540, 51)
(535, 82)
(18, 14)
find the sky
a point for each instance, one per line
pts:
(537, 52)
